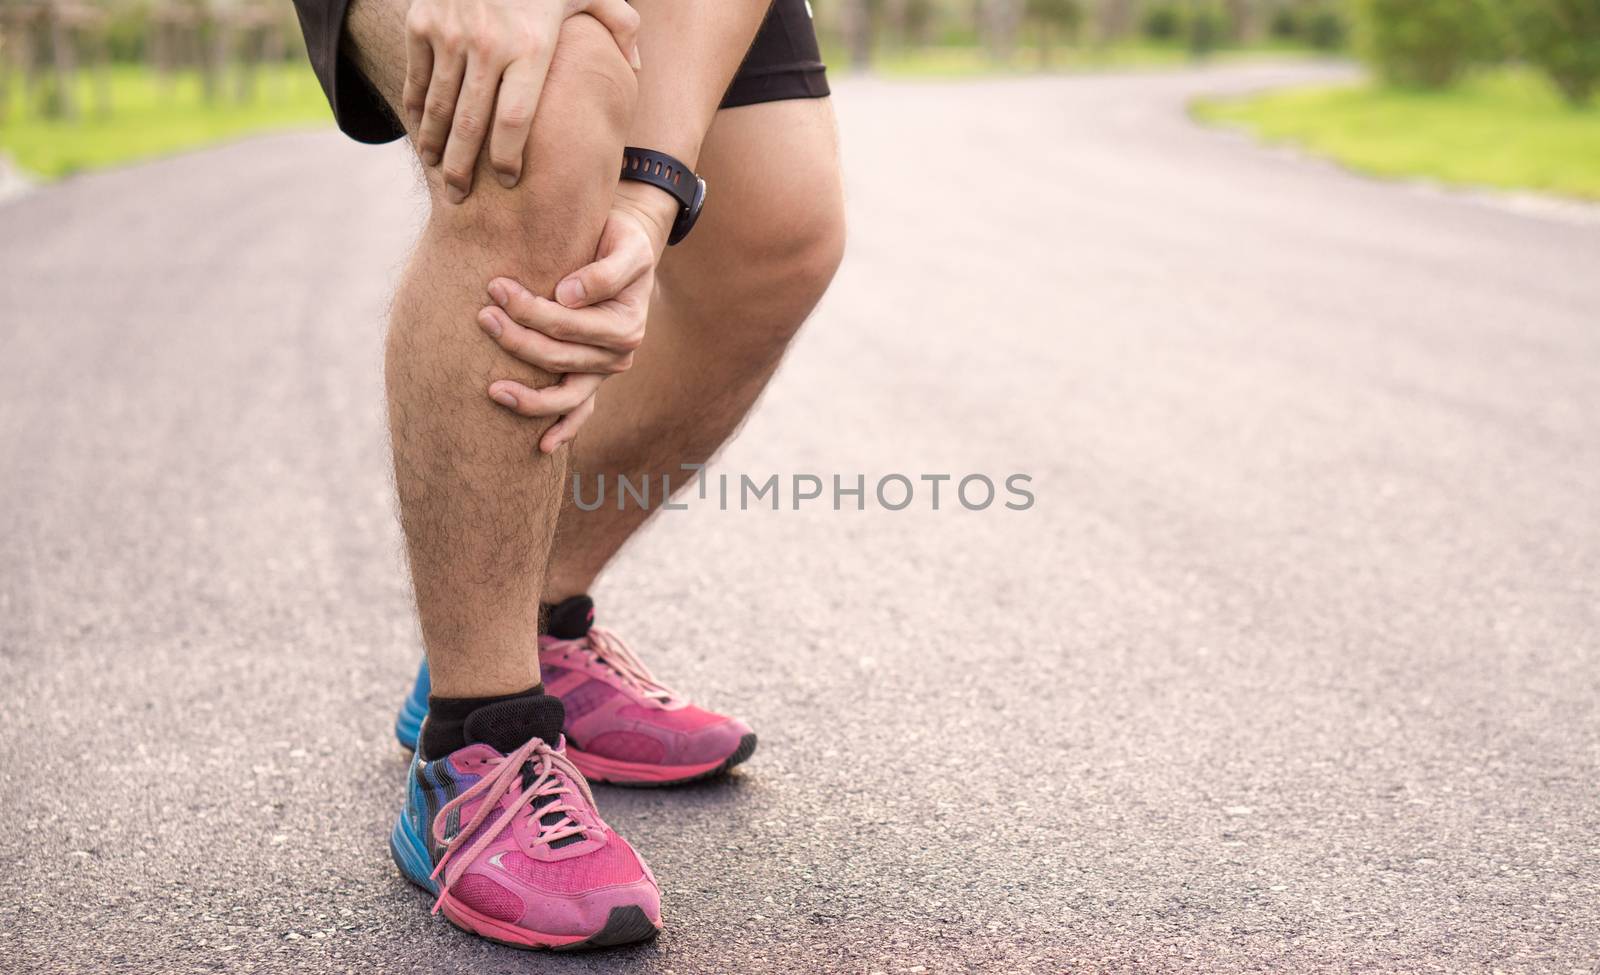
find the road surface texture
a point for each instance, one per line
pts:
(1292, 666)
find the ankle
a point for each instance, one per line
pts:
(559, 588)
(444, 730)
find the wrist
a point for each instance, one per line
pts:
(656, 208)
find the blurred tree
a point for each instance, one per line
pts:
(1324, 27)
(89, 25)
(177, 33)
(14, 40)
(1162, 22)
(216, 40)
(1116, 21)
(1284, 24)
(915, 22)
(1205, 28)
(128, 30)
(256, 30)
(1000, 20)
(55, 45)
(1562, 37)
(1052, 19)
(858, 23)
(46, 41)
(1424, 43)
(1318, 23)
(11, 27)
(1239, 16)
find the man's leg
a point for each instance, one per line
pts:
(730, 298)
(478, 501)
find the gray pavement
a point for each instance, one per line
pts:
(1293, 665)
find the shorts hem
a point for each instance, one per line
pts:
(776, 84)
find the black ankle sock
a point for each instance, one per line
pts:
(444, 730)
(568, 619)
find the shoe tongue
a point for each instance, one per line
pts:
(571, 618)
(508, 725)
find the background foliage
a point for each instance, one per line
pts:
(86, 83)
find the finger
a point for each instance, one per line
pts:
(520, 87)
(614, 325)
(538, 349)
(419, 68)
(623, 23)
(471, 123)
(556, 400)
(606, 277)
(565, 429)
(439, 108)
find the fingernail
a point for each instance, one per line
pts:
(570, 292)
(503, 398)
(635, 58)
(507, 180)
(430, 158)
(489, 323)
(497, 291)
(455, 194)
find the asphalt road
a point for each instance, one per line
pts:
(1292, 665)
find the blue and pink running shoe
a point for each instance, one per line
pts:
(505, 834)
(622, 725)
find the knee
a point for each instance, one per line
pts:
(574, 150)
(787, 261)
(814, 250)
(589, 81)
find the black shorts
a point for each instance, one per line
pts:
(783, 62)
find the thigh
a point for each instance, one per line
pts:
(373, 52)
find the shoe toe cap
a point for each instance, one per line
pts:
(562, 899)
(714, 743)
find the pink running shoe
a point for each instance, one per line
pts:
(504, 831)
(623, 726)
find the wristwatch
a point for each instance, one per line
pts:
(666, 172)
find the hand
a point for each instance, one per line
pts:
(593, 328)
(470, 61)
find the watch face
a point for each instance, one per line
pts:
(699, 196)
(691, 213)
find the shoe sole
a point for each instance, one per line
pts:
(642, 776)
(625, 925)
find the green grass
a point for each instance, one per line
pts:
(148, 118)
(1505, 129)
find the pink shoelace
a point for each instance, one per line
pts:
(493, 788)
(612, 651)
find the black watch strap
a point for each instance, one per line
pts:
(666, 172)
